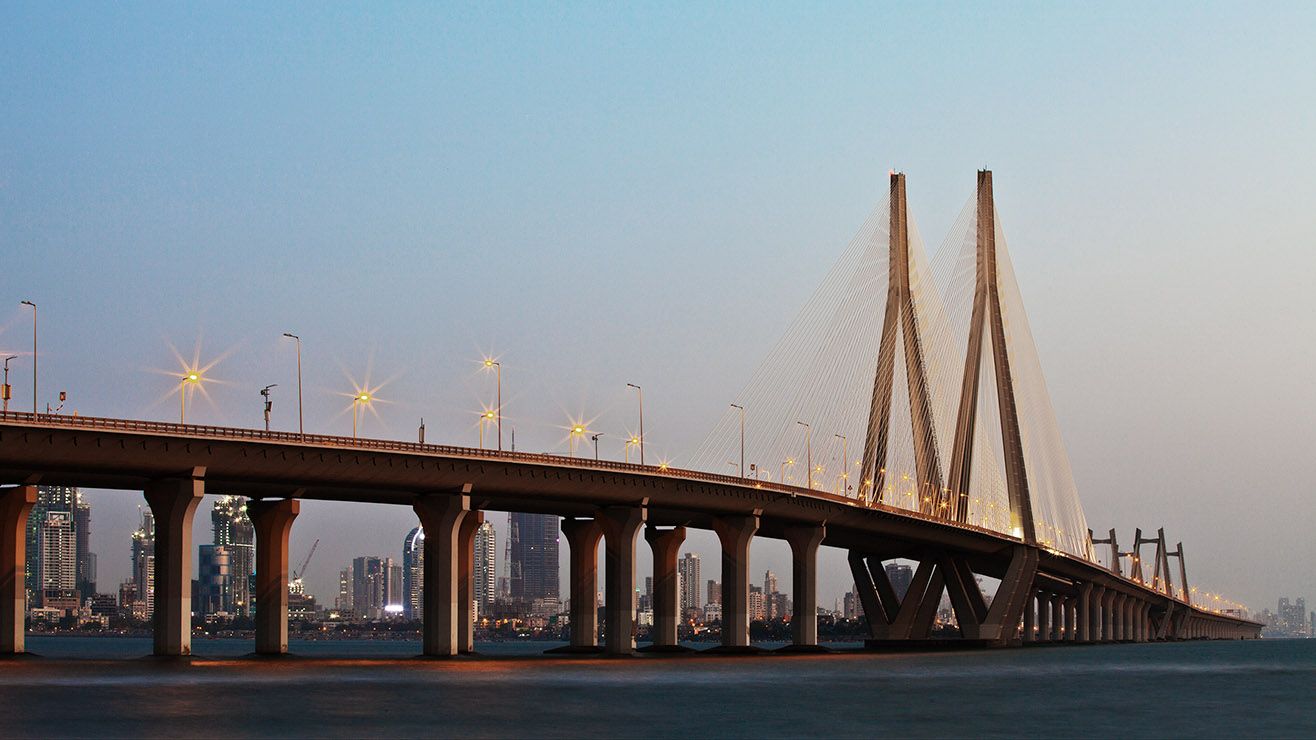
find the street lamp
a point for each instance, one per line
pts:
(742, 438)
(301, 430)
(489, 362)
(358, 399)
(577, 430)
(808, 462)
(486, 417)
(34, 356)
(845, 472)
(641, 390)
(596, 445)
(787, 463)
(269, 404)
(632, 441)
(5, 390)
(193, 378)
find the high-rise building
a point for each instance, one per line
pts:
(86, 558)
(901, 576)
(213, 581)
(533, 557)
(714, 592)
(57, 549)
(143, 564)
(769, 583)
(343, 602)
(376, 588)
(49, 498)
(850, 606)
(687, 584)
(756, 610)
(413, 573)
(486, 569)
(233, 531)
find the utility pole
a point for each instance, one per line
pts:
(6, 391)
(742, 438)
(269, 404)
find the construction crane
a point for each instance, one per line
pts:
(295, 585)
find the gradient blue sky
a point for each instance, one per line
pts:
(613, 193)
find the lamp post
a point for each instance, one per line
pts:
(631, 441)
(641, 390)
(269, 404)
(489, 362)
(358, 399)
(845, 470)
(577, 430)
(190, 377)
(301, 430)
(595, 437)
(486, 417)
(808, 461)
(742, 438)
(787, 463)
(5, 390)
(34, 356)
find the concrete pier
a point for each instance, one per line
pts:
(583, 540)
(173, 503)
(1043, 617)
(466, 581)
(15, 505)
(804, 542)
(441, 515)
(735, 533)
(272, 520)
(666, 545)
(621, 530)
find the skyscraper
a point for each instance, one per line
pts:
(485, 567)
(233, 531)
(688, 580)
(376, 588)
(900, 576)
(49, 498)
(86, 558)
(58, 551)
(143, 563)
(533, 557)
(413, 573)
(213, 581)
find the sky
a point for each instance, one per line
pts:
(612, 193)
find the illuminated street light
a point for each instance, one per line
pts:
(641, 390)
(487, 417)
(34, 356)
(845, 474)
(577, 430)
(301, 428)
(632, 441)
(809, 452)
(357, 400)
(489, 362)
(787, 463)
(189, 378)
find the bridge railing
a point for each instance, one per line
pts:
(387, 445)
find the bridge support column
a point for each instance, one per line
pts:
(173, 503)
(1070, 623)
(1127, 623)
(15, 505)
(441, 516)
(466, 581)
(666, 546)
(804, 542)
(1057, 617)
(272, 520)
(735, 533)
(621, 529)
(583, 538)
(1043, 617)
(1083, 621)
(1030, 619)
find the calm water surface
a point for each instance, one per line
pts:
(102, 687)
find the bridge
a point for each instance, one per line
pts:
(995, 525)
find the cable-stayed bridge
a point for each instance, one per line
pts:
(904, 415)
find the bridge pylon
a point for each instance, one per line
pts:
(901, 317)
(987, 315)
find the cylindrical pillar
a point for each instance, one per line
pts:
(735, 533)
(1070, 606)
(666, 546)
(1057, 617)
(272, 520)
(1043, 617)
(15, 505)
(621, 529)
(1030, 619)
(804, 542)
(583, 539)
(441, 516)
(173, 503)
